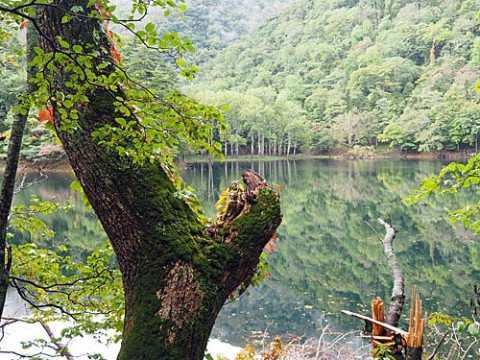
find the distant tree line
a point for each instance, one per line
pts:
(323, 75)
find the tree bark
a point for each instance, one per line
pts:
(177, 274)
(11, 166)
(6, 196)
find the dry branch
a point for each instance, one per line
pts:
(398, 295)
(391, 338)
(394, 329)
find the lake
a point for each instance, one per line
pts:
(327, 257)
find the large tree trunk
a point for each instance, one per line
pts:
(177, 274)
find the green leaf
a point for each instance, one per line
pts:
(461, 326)
(63, 43)
(77, 8)
(473, 330)
(150, 27)
(38, 50)
(181, 62)
(76, 186)
(77, 48)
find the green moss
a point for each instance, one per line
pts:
(215, 259)
(262, 220)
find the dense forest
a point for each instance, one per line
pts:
(209, 24)
(310, 76)
(327, 74)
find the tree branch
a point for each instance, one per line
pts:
(398, 294)
(395, 329)
(431, 357)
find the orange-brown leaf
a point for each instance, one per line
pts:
(46, 114)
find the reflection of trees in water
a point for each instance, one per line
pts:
(329, 259)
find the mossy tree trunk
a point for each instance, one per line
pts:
(177, 274)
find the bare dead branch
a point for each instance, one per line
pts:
(395, 329)
(61, 348)
(398, 294)
(431, 357)
(374, 231)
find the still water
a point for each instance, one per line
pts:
(327, 257)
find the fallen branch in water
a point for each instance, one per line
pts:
(403, 345)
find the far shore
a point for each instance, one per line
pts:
(62, 164)
(341, 155)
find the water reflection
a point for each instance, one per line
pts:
(329, 259)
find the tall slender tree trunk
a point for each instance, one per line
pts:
(10, 172)
(177, 273)
(263, 144)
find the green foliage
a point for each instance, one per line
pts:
(382, 351)
(137, 108)
(451, 179)
(51, 280)
(86, 294)
(407, 69)
(26, 218)
(401, 74)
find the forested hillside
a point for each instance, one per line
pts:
(318, 75)
(212, 24)
(335, 73)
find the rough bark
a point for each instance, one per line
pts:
(176, 273)
(10, 172)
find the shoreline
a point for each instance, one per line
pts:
(340, 155)
(62, 164)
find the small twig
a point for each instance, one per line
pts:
(22, 183)
(374, 231)
(59, 347)
(431, 357)
(265, 334)
(465, 354)
(320, 341)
